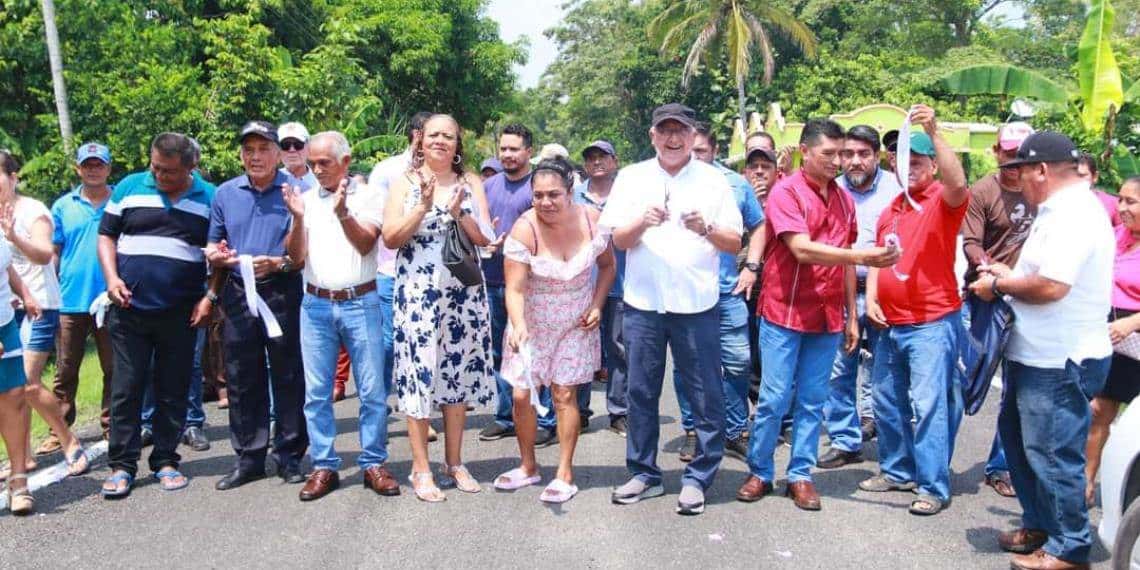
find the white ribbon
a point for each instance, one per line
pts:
(902, 162)
(256, 304)
(528, 361)
(98, 308)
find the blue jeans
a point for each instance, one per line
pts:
(613, 359)
(1044, 424)
(794, 369)
(384, 287)
(195, 412)
(357, 324)
(496, 297)
(916, 377)
(735, 360)
(849, 399)
(692, 338)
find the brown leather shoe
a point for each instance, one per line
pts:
(380, 480)
(1022, 540)
(753, 489)
(804, 495)
(320, 483)
(1041, 560)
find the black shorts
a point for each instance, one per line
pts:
(1123, 382)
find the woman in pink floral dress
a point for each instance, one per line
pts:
(559, 269)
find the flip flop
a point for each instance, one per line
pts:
(116, 478)
(926, 505)
(558, 491)
(516, 479)
(427, 494)
(73, 459)
(165, 479)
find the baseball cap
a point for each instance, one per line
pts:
(93, 150)
(259, 128)
(601, 145)
(552, 151)
(920, 143)
(1011, 135)
(493, 164)
(293, 131)
(1045, 146)
(891, 140)
(767, 154)
(676, 112)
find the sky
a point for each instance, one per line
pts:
(529, 18)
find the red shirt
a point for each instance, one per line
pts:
(802, 297)
(929, 242)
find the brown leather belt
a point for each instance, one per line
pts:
(342, 294)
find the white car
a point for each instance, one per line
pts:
(1119, 489)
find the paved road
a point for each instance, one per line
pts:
(263, 525)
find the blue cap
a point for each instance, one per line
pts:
(93, 150)
(493, 164)
(920, 143)
(601, 145)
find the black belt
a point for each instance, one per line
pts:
(342, 294)
(860, 284)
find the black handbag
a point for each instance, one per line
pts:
(460, 257)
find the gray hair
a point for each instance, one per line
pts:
(339, 142)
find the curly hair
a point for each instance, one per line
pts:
(456, 165)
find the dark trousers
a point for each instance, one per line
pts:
(70, 345)
(246, 346)
(155, 348)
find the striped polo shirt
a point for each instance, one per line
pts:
(159, 243)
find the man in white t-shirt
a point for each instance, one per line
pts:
(1059, 352)
(674, 215)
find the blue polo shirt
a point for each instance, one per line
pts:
(253, 222)
(581, 196)
(159, 243)
(753, 216)
(76, 233)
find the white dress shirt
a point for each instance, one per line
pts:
(380, 179)
(333, 263)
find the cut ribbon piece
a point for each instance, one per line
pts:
(98, 308)
(902, 162)
(257, 305)
(528, 361)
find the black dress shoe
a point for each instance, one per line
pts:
(838, 458)
(196, 438)
(236, 479)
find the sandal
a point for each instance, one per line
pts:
(428, 492)
(77, 461)
(166, 478)
(29, 466)
(459, 477)
(516, 479)
(926, 505)
(1001, 484)
(116, 478)
(558, 491)
(20, 501)
(882, 484)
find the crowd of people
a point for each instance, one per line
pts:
(792, 299)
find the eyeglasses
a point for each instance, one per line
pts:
(292, 145)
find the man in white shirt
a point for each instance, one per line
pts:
(341, 222)
(674, 215)
(1059, 352)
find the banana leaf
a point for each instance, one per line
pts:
(1004, 80)
(1099, 76)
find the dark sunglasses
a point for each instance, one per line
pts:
(292, 145)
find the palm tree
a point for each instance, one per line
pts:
(741, 25)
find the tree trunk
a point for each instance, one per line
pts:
(56, 61)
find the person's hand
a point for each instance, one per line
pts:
(851, 336)
(455, 204)
(784, 157)
(119, 293)
(293, 201)
(264, 265)
(590, 319)
(32, 308)
(983, 287)
(220, 255)
(879, 256)
(695, 223)
(1118, 330)
(923, 115)
(8, 221)
(995, 269)
(427, 191)
(340, 200)
(744, 283)
(201, 315)
(518, 337)
(655, 216)
(876, 316)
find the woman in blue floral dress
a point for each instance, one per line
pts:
(441, 328)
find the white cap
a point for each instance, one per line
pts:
(553, 150)
(293, 131)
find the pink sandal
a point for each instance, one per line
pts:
(516, 479)
(558, 491)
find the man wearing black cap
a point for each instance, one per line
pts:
(261, 297)
(673, 215)
(1059, 351)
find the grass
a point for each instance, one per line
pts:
(87, 400)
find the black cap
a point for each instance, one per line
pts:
(259, 128)
(1045, 146)
(891, 140)
(601, 145)
(767, 154)
(676, 112)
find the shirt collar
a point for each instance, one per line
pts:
(684, 169)
(278, 180)
(351, 189)
(1066, 193)
(870, 190)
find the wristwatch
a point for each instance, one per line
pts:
(708, 230)
(753, 267)
(286, 264)
(994, 288)
(211, 296)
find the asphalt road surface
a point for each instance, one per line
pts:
(263, 525)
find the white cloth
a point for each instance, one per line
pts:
(41, 280)
(7, 313)
(1070, 242)
(257, 305)
(333, 263)
(380, 180)
(672, 269)
(98, 308)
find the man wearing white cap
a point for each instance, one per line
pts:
(996, 225)
(294, 139)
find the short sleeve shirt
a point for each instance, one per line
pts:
(752, 216)
(76, 234)
(333, 262)
(380, 179)
(869, 205)
(41, 280)
(1126, 272)
(929, 243)
(582, 196)
(507, 200)
(252, 221)
(798, 296)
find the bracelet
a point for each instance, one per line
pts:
(211, 296)
(994, 288)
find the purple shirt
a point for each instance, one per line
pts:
(507, 200)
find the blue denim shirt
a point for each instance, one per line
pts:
(582, 196)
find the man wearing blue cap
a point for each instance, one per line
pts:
(489, 168)
(917, 395)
